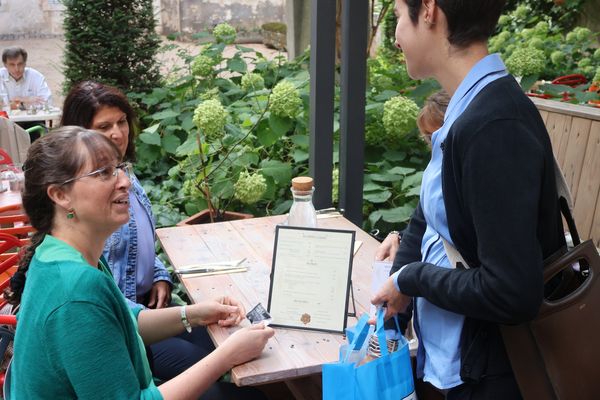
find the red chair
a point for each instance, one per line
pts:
(10, 255)
(8, 322)
(5, 158)
(16, 224)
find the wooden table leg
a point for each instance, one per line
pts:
(306, 388)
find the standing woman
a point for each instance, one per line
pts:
(129, 251)
(489, 191)
(77, 337)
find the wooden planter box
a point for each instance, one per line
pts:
(575, 135)
(203, 217)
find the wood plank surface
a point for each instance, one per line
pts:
(574, 154)
(589, 187)
(558, 126)
(291, 353)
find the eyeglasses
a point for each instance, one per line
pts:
(105, 173)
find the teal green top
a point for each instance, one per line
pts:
(76, 336)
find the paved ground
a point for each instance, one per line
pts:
(46, 56)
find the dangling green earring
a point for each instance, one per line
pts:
(71, 214)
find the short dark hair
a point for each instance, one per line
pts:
(14, 52)
(86, 98)
(469, 21)
(54, 159)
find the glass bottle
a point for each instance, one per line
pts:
(302, 212)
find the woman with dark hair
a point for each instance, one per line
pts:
(77, 337)
(130, 250)
(489, 191)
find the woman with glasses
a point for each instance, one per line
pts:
(130, 250)
(77, 336)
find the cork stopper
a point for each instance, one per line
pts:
(302, 183)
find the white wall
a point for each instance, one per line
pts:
(30, 19)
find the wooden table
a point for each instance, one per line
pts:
(291, 353)
(9, 198)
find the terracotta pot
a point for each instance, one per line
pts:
(203, 217)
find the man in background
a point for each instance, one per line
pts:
(26, 87)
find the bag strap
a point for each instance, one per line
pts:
(565, 202)
(360, 334)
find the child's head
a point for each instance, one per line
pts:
(431, 117)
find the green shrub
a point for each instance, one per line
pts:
(112, 42)
(237, 138)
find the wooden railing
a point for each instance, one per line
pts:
(575, 134)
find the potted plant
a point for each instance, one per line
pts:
(274, 35)
(229, 132)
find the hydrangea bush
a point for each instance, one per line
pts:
(534, 37)
(231, 132)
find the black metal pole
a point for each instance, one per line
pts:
(352, 114)
(322, 75)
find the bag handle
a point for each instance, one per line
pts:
(361, 330)
(380, 330)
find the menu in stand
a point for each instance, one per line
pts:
(302, 212)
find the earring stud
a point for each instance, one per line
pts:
(71, 214)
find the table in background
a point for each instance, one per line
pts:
(291, 353)
(9, 198)
(49, 117)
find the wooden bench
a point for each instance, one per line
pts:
(575, 135)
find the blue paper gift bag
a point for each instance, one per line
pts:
(385, 378)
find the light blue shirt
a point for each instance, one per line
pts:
(439, 330)
(123, 250)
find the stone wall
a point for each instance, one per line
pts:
(21, 19)
(193, 16)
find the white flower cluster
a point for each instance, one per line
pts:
(210, 117)
(250, 188)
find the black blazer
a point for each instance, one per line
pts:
(503, 215)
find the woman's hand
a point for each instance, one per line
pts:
(397, 302)
(388, 248)
(246, 344)
(160, 295)
(225, 311)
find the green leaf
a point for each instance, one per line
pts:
(301, 141)
(412, 180)
(300, 155)
(279, 125)
(371, 186)
(394, 155)
(280, 172)
(374, 217)
(282, 207)
(397, 215)
(415, 191)
(151, 129)
(377, 197)
(236, 64)
(187, 123)
(385, 95)
(170, 143)
(401, 171)
(190, 146)
(150, 138)
(266, 135)
(528, 81)
(164, 115)
(385, 177)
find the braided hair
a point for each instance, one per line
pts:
(53, 159)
